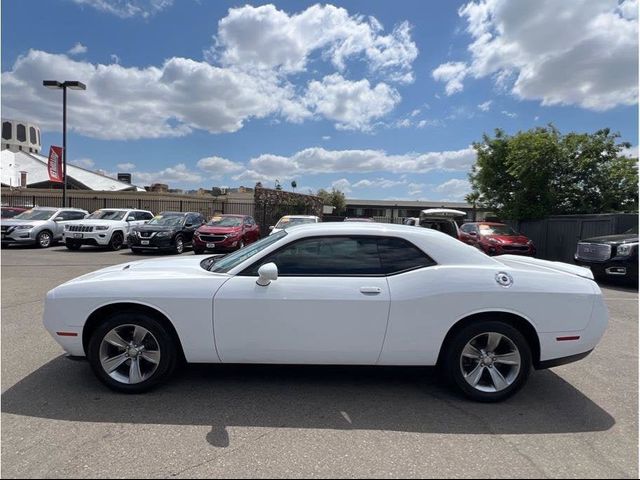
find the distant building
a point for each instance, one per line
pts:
(404, 208)
(124, 177)
(158, 187)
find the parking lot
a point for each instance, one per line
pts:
(579, 420)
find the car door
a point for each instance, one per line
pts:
(329, 305)
(66, 216)
(191, 223)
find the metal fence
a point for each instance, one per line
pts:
(207, 207)
(556, 237)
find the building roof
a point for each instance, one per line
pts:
(36, 167)
(351, 202)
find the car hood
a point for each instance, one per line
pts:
(95, 221)
(219, 230)
(13, 222)
(169, 268)
(614, 239)
(156, 228)
(509, 238)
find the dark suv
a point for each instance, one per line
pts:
(168, 231)
(611, 256)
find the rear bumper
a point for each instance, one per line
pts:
(556, 362)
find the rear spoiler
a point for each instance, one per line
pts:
(546, 265)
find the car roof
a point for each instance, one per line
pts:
(179, 213)
(484, 223)
(231, 215)
(299, 216)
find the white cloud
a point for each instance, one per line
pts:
(343, 185)
(485, 106)
(415, 113)
(126, 166)
(219, 165)
(379, 183)
(78, 49)
(352, 104)
(114, 58)
(265, 38)
(454, 189)
(509, 114)
(87, 163)
(128, 8)
(178, 174)
(453, 73)
(630, 152)
(582, 52)
(319, 160)
(326, 137)
(415, 189)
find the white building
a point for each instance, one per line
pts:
(24, 166)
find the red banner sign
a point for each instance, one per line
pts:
(55, 164)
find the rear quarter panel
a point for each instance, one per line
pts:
(426, 303)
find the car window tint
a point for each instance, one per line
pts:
(398, 255)
(329, 256)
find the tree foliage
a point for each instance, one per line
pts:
(335, 198)
(542, 172)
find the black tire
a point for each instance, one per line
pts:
(44, 239)
(136, 251)
(72, 245)
(452, 364)
(167, 347)
(178, 244)
(116, 242)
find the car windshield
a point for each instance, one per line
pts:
(632, 230)
(107, 215)
(167, 221)
(225, 222)
(286, 222)
(35, 214)
(227, 262)
(497, 230)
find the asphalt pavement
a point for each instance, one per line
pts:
(579, 420)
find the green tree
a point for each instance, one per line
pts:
(294, 185)
(473, 199)
(542, 172)
(335, 198)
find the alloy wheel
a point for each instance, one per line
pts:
(490, 362)
(44, 239)
(129, 354)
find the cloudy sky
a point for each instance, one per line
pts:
(381, 99)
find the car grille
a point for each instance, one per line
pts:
(146, 234)
(212, 238)
(516, 248)
(80, 228)
(594, 251)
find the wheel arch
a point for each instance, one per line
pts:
(103, 312)
(519, 322)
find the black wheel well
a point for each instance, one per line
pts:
(106, 311)
(516, 321)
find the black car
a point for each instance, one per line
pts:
(611, 256)
(168, 231)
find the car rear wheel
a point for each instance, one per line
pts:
(44, 239)
(132, 352)
(488, 361)
(72, 245)
(178, 245)
(116, 241)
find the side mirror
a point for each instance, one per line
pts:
(58, 219)
(131, 218)
(271, 227)
(473, 234)
(189, 225)
(267, 273)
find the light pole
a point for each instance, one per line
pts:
(56, 85)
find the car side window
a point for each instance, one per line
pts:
(143, 215)
(398, 255)
(74, 215)
(193, 220)
(325, 256)
(248, 222)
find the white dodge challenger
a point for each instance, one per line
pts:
(334, 293)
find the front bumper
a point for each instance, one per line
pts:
(616, 267)
(152, 243)
(98, 238)
(19, 237)
(500, 249)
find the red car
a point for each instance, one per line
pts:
(10, 212)
(226, 232)
(496, 239)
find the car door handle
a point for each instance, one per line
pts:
(370, 290)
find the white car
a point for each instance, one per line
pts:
(289, 221)
(107, 227)
(333, 293)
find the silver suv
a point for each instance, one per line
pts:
(41, 226)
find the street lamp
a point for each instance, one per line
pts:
(56, 85)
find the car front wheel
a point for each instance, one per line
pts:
(132, 352)
(72, 245)
(44, 239)
(116, 242)
(488, 361)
